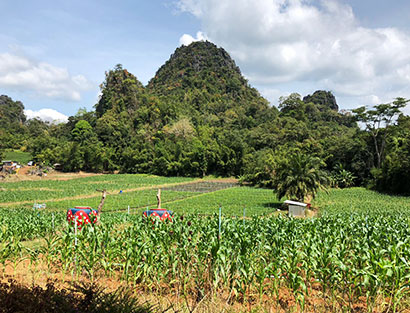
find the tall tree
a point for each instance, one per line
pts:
(394, 175)
(377, 122)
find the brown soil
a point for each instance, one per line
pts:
(31, 189)
(165, 297)
(53, 175)
(67, 176)
(24, 170)
(223, 180)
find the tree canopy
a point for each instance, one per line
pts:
(378, 121)
(199, 116)
(299, 176)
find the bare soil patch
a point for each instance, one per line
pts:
(31, 189)
(167, 299)
(53, 175)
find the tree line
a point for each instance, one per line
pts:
(198, 116)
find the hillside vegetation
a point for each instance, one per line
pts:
(199, 116)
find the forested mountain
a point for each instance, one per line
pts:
(191, 119)
(198, 116)
(203, 82)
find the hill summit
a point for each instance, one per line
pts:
(197, 116)
(203, 79)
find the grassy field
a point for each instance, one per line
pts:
(182, 195)
(233, 201)
(353, 256)
(18, 156)
(18, 193)
(360, 200)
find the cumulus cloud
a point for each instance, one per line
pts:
(188, 39)
(18, 72)
(317, 44)
(47, 115)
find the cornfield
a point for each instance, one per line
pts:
(345, 256)
(355, 250)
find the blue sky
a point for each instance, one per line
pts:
(53, 54)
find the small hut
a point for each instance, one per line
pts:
(296, 208)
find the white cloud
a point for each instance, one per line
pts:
(18, 72)
(188, 39)
(317, 44)
(47, 115)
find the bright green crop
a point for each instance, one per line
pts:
(357, 246)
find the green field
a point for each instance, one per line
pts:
(360, 200)
(356, 250)
(233, 201)
(52, 190)
(18, 156)
(182, 195)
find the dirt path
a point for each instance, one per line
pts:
(97, 194)
(54, 175)
(171, 201)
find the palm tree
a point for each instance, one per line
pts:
(299, 176)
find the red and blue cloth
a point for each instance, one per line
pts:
(83, 216)
(162, 214)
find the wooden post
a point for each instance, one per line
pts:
(100, 206)
(159, 198)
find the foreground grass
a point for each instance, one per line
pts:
(86, 298)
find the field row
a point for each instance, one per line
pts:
(28, 224)
(359, 200)
(356, 250)
(42, 190)
(347, 257)
(179, 195)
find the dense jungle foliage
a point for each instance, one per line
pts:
(199, 116)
